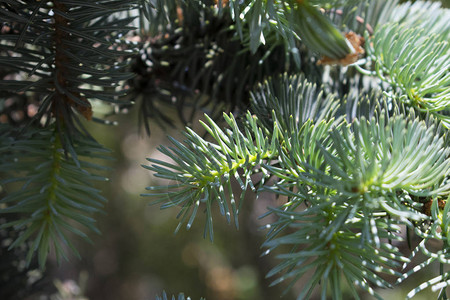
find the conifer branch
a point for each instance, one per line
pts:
(204, 171)
(366, 177)
(56, 189)
(65, 55)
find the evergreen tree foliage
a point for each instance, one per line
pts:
(58, 60)
(339, 108)
(356, 160)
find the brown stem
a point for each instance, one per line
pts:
(83, 105)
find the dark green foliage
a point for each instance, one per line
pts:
(59, 59)
(51, 189)
(64, 54)
(203, 55)
(198, 60)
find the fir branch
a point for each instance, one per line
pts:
(68, 54)
(351, 189)
(203, 171)
(55, 189)
(323, 241)
(354, 176)
(63, 55)
(413, 59)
